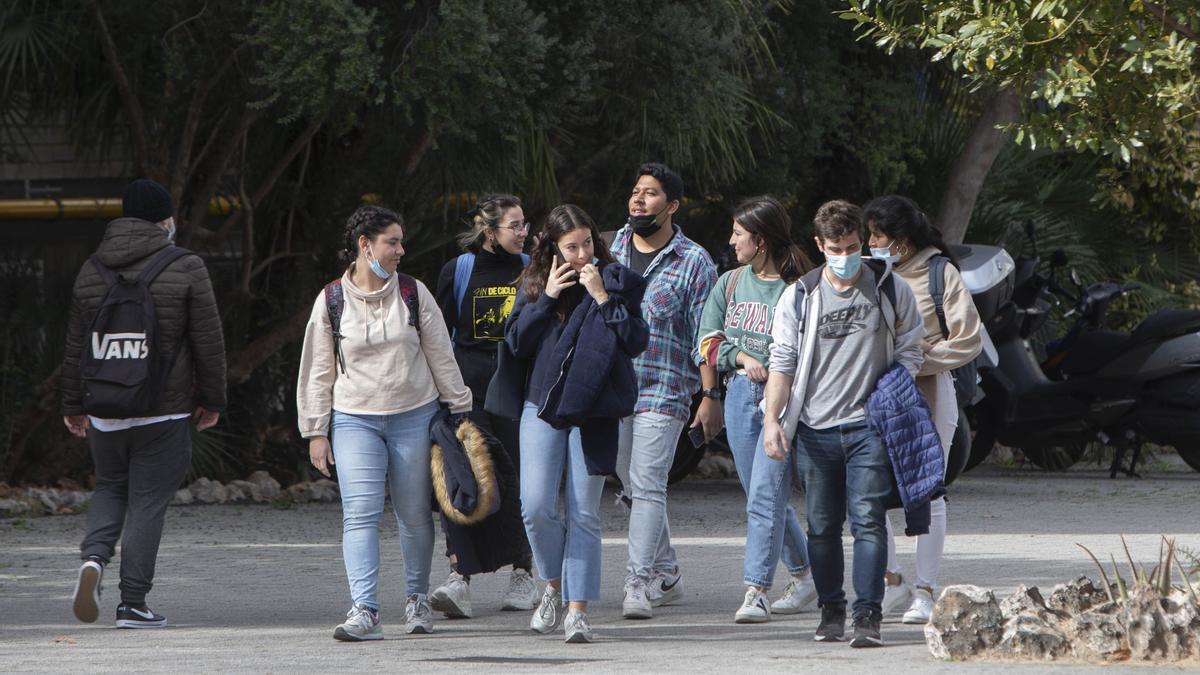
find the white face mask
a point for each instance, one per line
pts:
(885, 254)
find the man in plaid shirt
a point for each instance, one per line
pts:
(679, 276)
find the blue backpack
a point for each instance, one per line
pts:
(463, 267)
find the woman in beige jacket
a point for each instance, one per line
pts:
(374, 395)
(902, 234)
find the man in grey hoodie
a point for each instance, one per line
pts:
(854, 322)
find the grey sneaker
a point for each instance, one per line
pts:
(453, 598)
(362, 623)
(577, 628)
(800, 593)
(833, 624)
(522, 594)
(636, 604)
(664, 588)
(87, 591)
(418, 615)
(754, 608)
(866, 631)
(546, 617)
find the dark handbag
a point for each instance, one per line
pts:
(506, 391)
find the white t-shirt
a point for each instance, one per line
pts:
(102, 424)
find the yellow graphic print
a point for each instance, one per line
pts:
(490, 307)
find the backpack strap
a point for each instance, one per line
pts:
(334, 302)
(106, 274)
(412, 299)
(731, 284)
(463, 266)
(525, 260)
(937, 289)
(161, 261)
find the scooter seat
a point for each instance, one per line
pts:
(1095, 349)
(1167, 323)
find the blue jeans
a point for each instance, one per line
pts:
(566, 548)
(771, 532)
(369, 451)
(645, 453)
(845, 468)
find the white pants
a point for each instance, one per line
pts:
(930, 546)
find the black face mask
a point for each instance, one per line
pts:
(646, 225)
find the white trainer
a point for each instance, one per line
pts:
(896, 598)
(636, 605)
(754, 608)
(798, 595)
(664, 588)
(418, 615)
(86, 599)
(921, 609)
(546, 617)
(453, 598)
(362, 623)
(522, 594)
(577, 628)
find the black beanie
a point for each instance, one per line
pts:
(147, 200)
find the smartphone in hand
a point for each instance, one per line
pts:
(696, 436)
(561, 260)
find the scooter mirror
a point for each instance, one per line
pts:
(1075, 278)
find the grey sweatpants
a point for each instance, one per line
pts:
(138, 471)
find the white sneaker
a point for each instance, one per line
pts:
(418, 615)
(577, 628)
(896, 598)
(799, 594)
(87, 591)
(921, 609)
(522, 593)
(636, 604)
(546, 617)
(754, 608)
(362, 623)
(664, 588)
(453, 598)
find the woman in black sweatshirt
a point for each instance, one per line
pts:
(476, 292)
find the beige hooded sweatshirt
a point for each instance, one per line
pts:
(389, 367)
(942, 353)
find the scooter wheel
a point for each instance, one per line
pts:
(1059, 458)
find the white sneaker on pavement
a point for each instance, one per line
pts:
(896, 598)
(362, 623)
(754, 608)
(577, 628)
(636, 605)
(798, 595)
(453, 598)
(418, 615)
(921, 608)
(664, 588)
(522, 594)
(547, 615)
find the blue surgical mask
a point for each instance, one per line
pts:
(885, 254)
(376, 268)
(844, 266)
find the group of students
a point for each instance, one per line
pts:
(580, 360)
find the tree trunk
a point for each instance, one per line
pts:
(972, 166)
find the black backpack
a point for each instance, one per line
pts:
(123, 368)
(966, 376)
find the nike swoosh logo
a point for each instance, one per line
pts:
(144, 615)
(673, 584)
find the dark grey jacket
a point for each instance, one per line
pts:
(187, 320)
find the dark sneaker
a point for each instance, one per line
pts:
(866, 631)
(87, 591)
(833, 624)
(138, 616)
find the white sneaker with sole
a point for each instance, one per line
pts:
(546, 617)
(418, 615)
(754, 608)
(577, 628)
(87, 591)
(453, 598)
(896, 598)
(362, 623)
(664, 588)
(522, 594)
(921, 608)
(636, 605)
(798, 595)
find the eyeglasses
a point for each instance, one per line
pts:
(523, 227)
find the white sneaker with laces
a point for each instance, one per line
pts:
(87, 591)
(418, 615)
(921, 609)
(522, 593)
(636, 605)
(546, 617)
(896, 598)
(453, 598)
(798, 595)
(577, 628)
(664, 588)
(754, 608)
(362, 623)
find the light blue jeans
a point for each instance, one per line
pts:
(768, 538)
(370, 451)
(645, 453)
(566, 548)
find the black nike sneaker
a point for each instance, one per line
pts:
(138, 616)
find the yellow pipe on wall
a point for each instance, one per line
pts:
(86, 208)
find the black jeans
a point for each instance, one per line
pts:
(138, 471)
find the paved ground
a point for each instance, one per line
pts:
(258, 589)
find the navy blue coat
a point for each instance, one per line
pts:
(898, 412)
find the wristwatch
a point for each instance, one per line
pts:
(714, 393)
